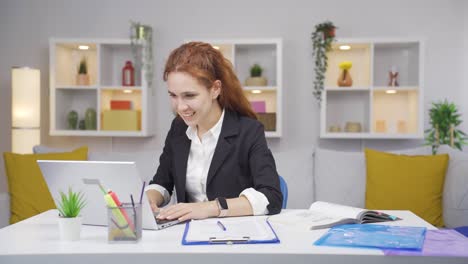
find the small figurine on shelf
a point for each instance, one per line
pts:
(82, 78)
(90, 119)
(393, 77)
(128, 74)
(72, 119)
(344, 80)
(82, 125)
(381, 126)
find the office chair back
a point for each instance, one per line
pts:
(284, 191)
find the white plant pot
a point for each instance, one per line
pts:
(256, 81)
(70, 228)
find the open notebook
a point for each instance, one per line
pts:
(324, 215)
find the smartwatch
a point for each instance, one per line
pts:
(223, 206)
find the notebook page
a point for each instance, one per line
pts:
(342, 211)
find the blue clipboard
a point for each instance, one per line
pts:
(240, 239)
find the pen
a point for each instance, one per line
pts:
(133, 204)
(221, 225)
(142, 191)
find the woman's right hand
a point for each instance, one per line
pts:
(153, 199)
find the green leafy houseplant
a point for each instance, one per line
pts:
(256, 71)
(444, 120)
(83, 68)
(70, 204)
(322, 38)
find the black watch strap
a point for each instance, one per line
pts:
(223, 206)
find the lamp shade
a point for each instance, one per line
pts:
(26, 108)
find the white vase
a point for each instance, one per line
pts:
(70, 228)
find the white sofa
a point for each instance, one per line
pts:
(340, 177)
(336, 177)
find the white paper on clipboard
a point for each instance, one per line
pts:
(250, 228)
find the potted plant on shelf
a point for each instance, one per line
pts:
(69, 207)
(444, 120)
(322, 38)
(256, 78)
(82, 78)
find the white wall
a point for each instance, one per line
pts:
(464, 87)
(26, 26)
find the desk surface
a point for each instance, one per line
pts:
(37, 239)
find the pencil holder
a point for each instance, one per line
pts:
(124, 223)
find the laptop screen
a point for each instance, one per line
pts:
(119, 176)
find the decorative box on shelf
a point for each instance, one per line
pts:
(121, 120)
(268, 120)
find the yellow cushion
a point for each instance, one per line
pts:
(400, 182)
(29, 194)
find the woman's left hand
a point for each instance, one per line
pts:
(186, 211)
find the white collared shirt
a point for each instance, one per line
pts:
(199, 160)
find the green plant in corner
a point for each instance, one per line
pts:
(83, 67)
(71, 203)
(256, 71)
(444, 120)
(322, 38)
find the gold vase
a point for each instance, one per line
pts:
(345, 80)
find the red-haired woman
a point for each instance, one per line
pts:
(215, 153)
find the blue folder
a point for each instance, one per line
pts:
(238, 238)
(374, 236)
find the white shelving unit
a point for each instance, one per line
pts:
(105, 60)
(382, 111)
(268, 53)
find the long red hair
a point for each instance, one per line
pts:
(207, 64)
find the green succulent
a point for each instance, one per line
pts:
(256, 71)
(70, 204)
(83, 68)
(444, 117)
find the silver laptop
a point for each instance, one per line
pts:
(119, 176)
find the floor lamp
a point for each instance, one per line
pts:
(26, 109)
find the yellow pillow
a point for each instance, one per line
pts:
(400, 182)
(29, 194)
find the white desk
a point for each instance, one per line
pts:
(36, 240)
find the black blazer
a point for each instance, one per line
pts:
(241, 160)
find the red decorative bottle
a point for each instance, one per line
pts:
(128, 74)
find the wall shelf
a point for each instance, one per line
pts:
(243, 53)
(106, 58)
(381, 111)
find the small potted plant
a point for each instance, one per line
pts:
(69, 207)
(444, 120)
(322, 38)
(82, 78)
(256, 78)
